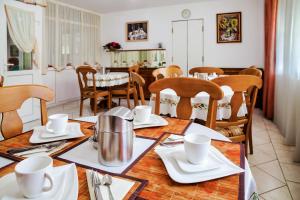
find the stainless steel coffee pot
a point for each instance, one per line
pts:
(115, 136)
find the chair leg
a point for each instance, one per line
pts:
(246, 147)
(250, 140)
(95, 106)
(81, 106)
(135, 97)
(119, 101)
(108, 101)
(128, 100)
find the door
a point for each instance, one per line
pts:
(179, 56)
(195, 44)
(31, 108)
(188, 44)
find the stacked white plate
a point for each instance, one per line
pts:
(65, 185)
(41, 135)
(182, 171)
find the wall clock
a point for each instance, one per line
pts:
(186, 13)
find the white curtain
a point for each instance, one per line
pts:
(287, 89)
(73, 36)
(21, 27)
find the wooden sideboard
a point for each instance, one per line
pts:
(146, 73)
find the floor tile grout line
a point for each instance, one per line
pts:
(281, 167)
(272, 175)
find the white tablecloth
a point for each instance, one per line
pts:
(169, 101)
(109, 79)
(250, 186)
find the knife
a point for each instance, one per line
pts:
(47, 146)
(171, 143)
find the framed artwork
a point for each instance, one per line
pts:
(229, 27)
(137, 31)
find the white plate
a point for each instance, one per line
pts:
(211, 163)
(65, 185)
(73, 131)
(155, 120)
(226, 169)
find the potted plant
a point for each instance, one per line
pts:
(112, 46)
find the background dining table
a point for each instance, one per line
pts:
(151, 180)
(169, 101)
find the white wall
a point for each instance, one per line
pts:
(249, 52)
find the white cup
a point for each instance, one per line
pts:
(142, 113)
(31, 175)
(196, 147)
(57, 123)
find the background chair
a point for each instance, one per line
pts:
(254, 72)
(238, 128)
(90, 92)
(208, 70)
(188, 88)
(173, 71)
(128, 89)
(12, 98)
(139, 83)
(1, 81)
(159, 73)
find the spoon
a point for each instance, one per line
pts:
(107, 181)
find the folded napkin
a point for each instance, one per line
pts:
(40, 152)
(119, 187)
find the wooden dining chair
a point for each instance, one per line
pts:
(208, 70)
(159, 73)
(254, 72)
(134, 68)
(139, 83)
(1, 81)
(237, 128)
(187, 88)
(128, 89)
(173, 71)
(90, 91)
(12, 98)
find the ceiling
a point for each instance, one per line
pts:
(106, 6)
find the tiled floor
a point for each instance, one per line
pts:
(276, 175)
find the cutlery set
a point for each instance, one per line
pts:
(36, 149)
(97, 182)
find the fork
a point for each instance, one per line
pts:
(96, 182)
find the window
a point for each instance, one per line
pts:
(73, 36)
(17, 59)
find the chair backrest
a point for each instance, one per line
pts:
(251, 71)
(12, 98)
(208, 70)
(187, 88)
(134, 68)
(240, 84)
(159, 73)
(82, 74)
(173, 71)
(139, 82)
(1, 81)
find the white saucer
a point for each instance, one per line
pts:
(41, 135)
(63, 176)
(155, 120)
(211, 163)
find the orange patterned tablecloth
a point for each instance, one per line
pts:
(151, 168)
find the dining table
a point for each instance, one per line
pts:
(146, 172)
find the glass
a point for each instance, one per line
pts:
(148, 58)
(17, 59)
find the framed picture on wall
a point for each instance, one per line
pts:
(137, 31)
(229, 27)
